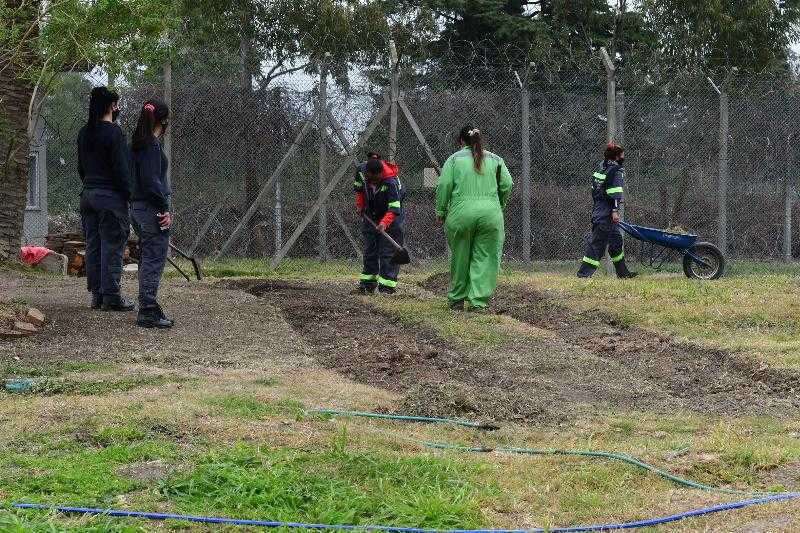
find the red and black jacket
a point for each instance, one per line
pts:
(383, 203)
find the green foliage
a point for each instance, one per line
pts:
(336, 486)
(720, 34)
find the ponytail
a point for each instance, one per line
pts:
(472, 138)
(153, 112)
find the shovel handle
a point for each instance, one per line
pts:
(374, 225)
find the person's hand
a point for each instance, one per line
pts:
(360, 212)
(381, 227)
(440, 221)
(615, 218)
(164, 220)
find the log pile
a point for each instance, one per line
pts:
(72, 245)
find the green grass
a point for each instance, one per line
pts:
(52, 385)
(334, 486)
(752, 313)
(78, 470)
(17, 370)
(242, 407)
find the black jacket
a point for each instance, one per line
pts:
(104, 160)
(150, 177)
(607, 193)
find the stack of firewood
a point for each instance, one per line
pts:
(73, 246)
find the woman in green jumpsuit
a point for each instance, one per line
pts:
(473, 189)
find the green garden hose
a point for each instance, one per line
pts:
(529, 451)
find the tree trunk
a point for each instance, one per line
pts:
(16, 92)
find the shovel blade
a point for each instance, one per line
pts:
(401, 257)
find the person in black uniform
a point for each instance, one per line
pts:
(379, 196)
(150, 205)
(607, 196)
(104, 169)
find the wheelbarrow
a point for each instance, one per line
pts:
(701, 260)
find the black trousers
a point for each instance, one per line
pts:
(106, 228)
(378, 252)
(154, 246)
(604, 234)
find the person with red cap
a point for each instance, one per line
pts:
(379, 198)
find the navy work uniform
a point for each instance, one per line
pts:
(151, 197)
(104, 168)
(607, 196)
(382, 203)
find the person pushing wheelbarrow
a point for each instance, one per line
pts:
(607, 197)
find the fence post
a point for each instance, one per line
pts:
(168, 133)
(322, 121)
(525, 117)
(611, 124)
(788, 201)
(722, 193)
(394, 90)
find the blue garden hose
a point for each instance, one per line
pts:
(649, 522)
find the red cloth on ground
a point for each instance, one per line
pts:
(33, 255)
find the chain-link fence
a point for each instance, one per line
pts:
(265, 172)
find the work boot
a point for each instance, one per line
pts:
(623, 272)
(383, 289)
(97, 301)
(366, 288)
(117, 303)
(153, 317)
(458, 305)
(586, 271)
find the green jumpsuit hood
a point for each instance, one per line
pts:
(471, 203)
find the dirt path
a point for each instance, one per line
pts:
(589, 364)
(214, 328)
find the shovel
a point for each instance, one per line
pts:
(400, 256)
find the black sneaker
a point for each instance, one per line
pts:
(97, 301)
(117, 303)
(153, 318)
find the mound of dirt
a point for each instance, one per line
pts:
(706, 380)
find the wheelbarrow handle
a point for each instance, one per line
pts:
(374, 225)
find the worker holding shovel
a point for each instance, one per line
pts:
(379, 201)
(473, 189)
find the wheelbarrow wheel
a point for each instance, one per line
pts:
(711, 255)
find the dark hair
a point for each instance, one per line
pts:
(100, 100)
(373, 155)
(612, 151)
(153, 112)
(374, 166)
(472, 137)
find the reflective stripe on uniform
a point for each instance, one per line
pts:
(599, 176)
(387, 282)
(618, 258)
(590, 261)
(369, 277)
(394, 205)
(614, 190)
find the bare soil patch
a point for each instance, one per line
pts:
(700, 379)
(590, 365)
